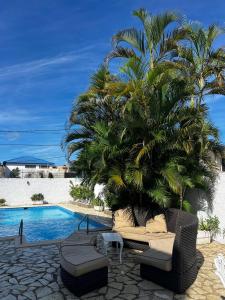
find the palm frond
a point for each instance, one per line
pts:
(131, 36)
(120, 52)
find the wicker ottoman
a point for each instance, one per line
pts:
(83, 269)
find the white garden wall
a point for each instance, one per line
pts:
(219, 203)
(200, 204)
(17, 191)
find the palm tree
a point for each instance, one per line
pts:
(201, 63)
(90, 121)
(150, 45)
(137, 132)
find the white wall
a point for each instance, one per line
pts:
(17, 191)
(217, 207)
(219, 203)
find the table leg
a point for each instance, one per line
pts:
(106, 247)
(121, 250)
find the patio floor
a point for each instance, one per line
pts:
(33, 273)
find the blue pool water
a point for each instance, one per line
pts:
(42, 223)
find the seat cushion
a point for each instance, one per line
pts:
(124, 218)
(156, 258)
(164, 244)
(79, 260)
(140, 234)
(80, 238)
(130, 229)
(156, 224)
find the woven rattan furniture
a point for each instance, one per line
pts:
(179, 268)
(83, 268)
(184, 260)
(141, 215)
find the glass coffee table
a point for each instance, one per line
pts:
(108, 238)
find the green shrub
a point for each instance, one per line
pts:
(81, 192)
(97, 202)
(210, 224)
(2, 202)
(37, 197)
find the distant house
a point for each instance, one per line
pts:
(28, 166)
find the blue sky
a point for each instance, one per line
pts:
(48, 49)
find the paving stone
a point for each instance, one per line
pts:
(51, 270)
(116, 285)
(35, 284)
(9, 297)
(48, 277)
(43, 281)
(112, 293)
(54, 296)
(131, 289)
(103, 290)
(54, 286)
(21, 297)
(4, 284)
(149, 285)
(27, 280)
(13, 281)
(43, 291)
(129, 297)
(30, 295)
(164, 294)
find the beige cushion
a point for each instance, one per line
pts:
(141, 235)
(80, 238)
(156, 224)
(133, 236)
(123, 218)
(79, 260)
(155, 258)
(130, 229)
(164, 244)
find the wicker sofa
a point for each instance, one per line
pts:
(172, 261)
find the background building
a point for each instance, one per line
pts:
(31, 167)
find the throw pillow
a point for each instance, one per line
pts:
(124, 218)
(156, 224)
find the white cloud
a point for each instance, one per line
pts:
(41, 65)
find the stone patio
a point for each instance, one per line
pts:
(33, 273)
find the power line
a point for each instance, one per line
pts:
(31, 145)
(32, 130)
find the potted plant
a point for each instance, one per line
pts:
(208, 228)
(37, 198)
(98, 204)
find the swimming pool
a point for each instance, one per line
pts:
(42, 223)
